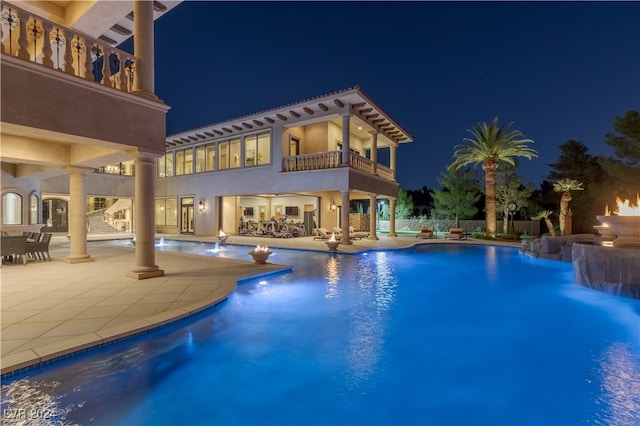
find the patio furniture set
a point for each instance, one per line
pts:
(22, 248)
(454, 234)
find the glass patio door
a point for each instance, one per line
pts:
(186, 225)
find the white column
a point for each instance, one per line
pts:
(392, 217)
(143, 40)
(144, 218)
(345, 218)
(373, 212)
(276, 148)
(346, 120)
(392, 160)
(78, 216)
(374, 150)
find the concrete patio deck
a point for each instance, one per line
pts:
(52, 309)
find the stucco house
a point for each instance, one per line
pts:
(84, 134)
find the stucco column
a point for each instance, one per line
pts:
(144, 218)
(78, 216)
(392, 160)
(373, 213)
(346, 239)
(143, 40)
(392, 217)
(374, 150)
(277, 147)
(346, 144)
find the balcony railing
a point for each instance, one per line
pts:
(320, 160)
(36, 39)
(385, 172)
(332, 159)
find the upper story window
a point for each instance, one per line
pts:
(210, 154)
(234, 153)
(184, 161)
(257, 149)
(229, 154)
(248, 151)
(201, 159)
(11, 209)
(223, 155)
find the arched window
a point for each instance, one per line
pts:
(11, 209)
(34, 209)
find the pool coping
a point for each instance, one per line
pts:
(18, 362)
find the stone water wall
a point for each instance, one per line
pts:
(613, 270)
(554, 248)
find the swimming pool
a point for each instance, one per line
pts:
(441, 334)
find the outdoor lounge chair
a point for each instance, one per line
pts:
(425, 233)
(354, 233)
(337, 231)
(455, 234)
(322, 234)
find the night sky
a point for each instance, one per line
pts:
(559, 71)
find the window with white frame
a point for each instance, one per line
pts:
(166, 211)
(11, 209)
(34, 209)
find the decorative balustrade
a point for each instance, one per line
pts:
(361, 163)
(36, 39)
(386, 173)
(320, 160)
(332, 159)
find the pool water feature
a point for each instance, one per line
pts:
(440, 334)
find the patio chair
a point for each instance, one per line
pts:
(39, 248)
(455, 234)
(14, 247)
(426, 232)
(354, 233)
(337, 231)
(322, 234)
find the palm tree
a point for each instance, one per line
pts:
(490, 144)
(545, 215)
(566, 186)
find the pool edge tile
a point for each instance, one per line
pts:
(19, 360)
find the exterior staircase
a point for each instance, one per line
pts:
(98, 226)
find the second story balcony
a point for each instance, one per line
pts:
(332, 159)
(33, 38)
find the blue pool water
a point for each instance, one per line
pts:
(436, 335)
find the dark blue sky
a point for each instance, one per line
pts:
(559, 71)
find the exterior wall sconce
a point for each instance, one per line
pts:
(201, 205)
(332, 206)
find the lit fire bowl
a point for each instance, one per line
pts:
(625, 228)
(332, 245)
(260, 256)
